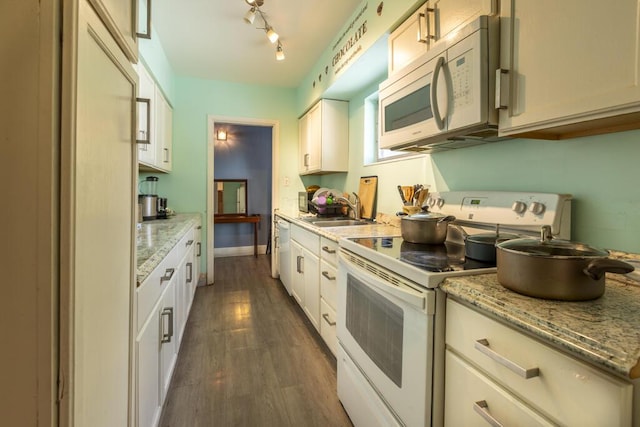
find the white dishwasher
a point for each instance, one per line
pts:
(284, 253)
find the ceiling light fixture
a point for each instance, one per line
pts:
(279, 52)
(273, 37)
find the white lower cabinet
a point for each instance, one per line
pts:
(163, 302)
(305, 272)
(522, 380)
(328, 292)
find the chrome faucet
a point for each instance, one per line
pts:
(355, 207)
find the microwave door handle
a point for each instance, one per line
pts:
(434, 94)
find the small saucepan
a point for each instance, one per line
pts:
(555, 269)
(482, 247)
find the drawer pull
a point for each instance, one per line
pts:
(327, 250)
(189, 243)
(483, 346)
(168, 274)
(328, 276)
(166, 336)
(190, 272)
(325, 316)
(199, 249)
(482, 409)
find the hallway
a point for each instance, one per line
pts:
(249, 357)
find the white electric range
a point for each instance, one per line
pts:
(391, 312)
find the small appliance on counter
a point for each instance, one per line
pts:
(162, 208)
(148, 198)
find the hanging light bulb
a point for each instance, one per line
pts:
(250, 16)
(279, 52)
(272, 35)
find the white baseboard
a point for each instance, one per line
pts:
(238, 251)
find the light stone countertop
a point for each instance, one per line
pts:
(156, 238)
(604, 332)
(385, 226)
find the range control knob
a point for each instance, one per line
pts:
(537, 208)
(519, 207)
(440, 202)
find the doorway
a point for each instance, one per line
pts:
(239, 131)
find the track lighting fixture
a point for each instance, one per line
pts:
(273, 37)
(279, 52)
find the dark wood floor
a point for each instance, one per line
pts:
(249, 357)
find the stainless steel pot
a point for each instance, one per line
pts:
(482, 247)
(428, 228)
(555, 269)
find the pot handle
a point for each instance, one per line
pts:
(598, 267)
(447, 218)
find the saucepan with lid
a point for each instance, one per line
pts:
(428, 228)
(555, 269)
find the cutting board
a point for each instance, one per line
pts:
(367, 192)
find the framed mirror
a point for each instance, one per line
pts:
(231, 197)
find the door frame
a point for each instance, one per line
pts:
(212, 119)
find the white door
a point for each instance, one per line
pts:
(99, 210)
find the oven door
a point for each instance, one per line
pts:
(386, 329)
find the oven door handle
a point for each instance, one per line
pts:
(404, 293)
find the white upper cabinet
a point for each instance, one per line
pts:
(432, 21)
(155, 124)
(324, 138)
(119, 16)
(573, 67)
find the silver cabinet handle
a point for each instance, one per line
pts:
(190, 270)
(147, 33)
(166, 155)
(437, 117)
(168, 274)
(483, 346)
(482, 409)
(166, 337)
(426, 37)
(327, 250)
(325, 316)
(329, 277)
(145, 133)
(306, 159)
(199, 227)
(189, 243)
(502, 89)
(199, 245)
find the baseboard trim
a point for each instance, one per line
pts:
(237, 251)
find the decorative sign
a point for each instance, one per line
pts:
(349, 44)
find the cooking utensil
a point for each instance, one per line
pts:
(482, 247)
(407, 191)
(555, 269)
(425, 227)
(404, 201)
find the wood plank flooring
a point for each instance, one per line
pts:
(250, 357)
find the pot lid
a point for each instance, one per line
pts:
(551, 248)
(428, 216)
(490, 238)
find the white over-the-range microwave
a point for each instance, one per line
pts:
(446, 98)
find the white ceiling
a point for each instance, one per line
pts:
(209, 38)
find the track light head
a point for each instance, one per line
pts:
(279, 52)
(250, 16)
(272, 35)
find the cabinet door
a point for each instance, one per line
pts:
(119, 17)
(303, 139)
(163, 127)
(569, 62)
(147, 372)
(146, 116)
(408, 41)
(297, 272)
(311, 267)
(103, 143)
(314, 143)
(168, 340)
(450, 15)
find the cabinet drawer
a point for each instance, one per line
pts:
(467, 392)
(150, 290)
(328, 326)
(328, 286)
(184, 244)
(329, 251)
(307, 239)
(567, 390)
